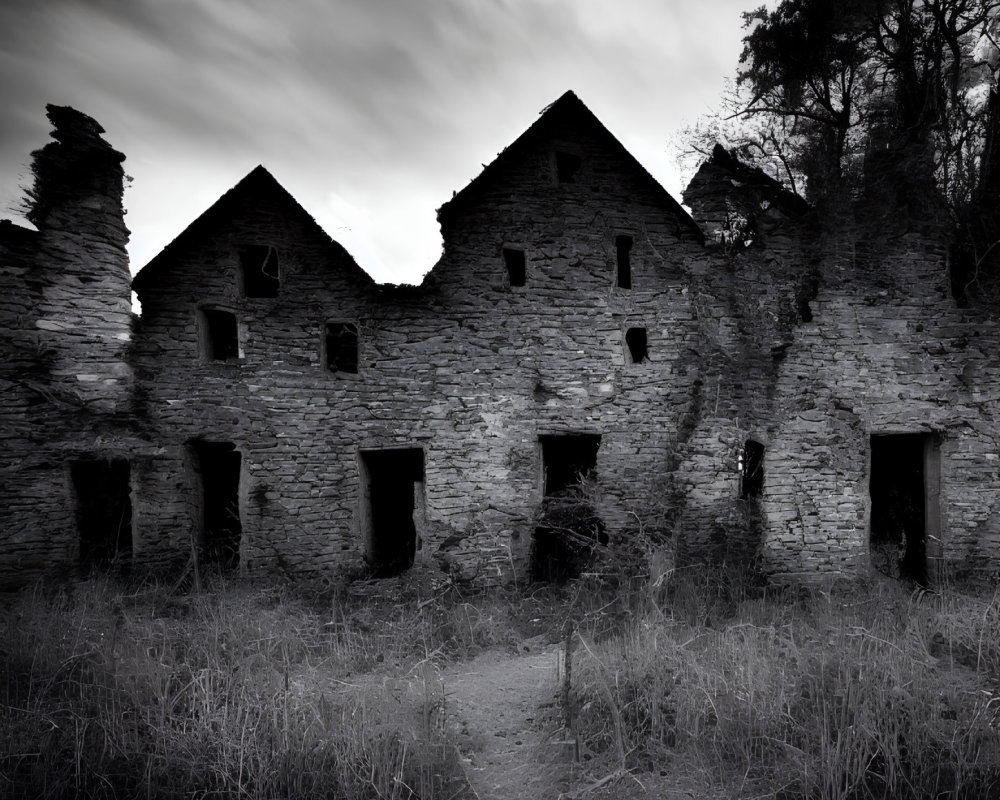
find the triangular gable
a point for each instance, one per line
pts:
(742, 175)
(258, 183)
(567, 107)
(724, 186)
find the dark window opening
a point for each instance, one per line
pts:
(966, 276)
(218, 467)
(569, 530)
(342, 347)
(902, 485)
(638, 347)
(103, 510)
(569, 460)
(516, 264)
(220, 335)
(752, 470)
(623, 245)
(567, 166)
(392, 489)
(259, 264)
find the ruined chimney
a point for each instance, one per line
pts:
(84, 319)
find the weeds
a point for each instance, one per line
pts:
(238, 693)
(864, 695)
(252, 692)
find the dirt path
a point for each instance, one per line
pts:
(504, 712)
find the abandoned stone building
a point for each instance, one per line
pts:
(587, 367)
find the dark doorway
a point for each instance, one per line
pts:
(392, 486)
(569, 529)
(103, 510)
(903, 494)
(218, 468)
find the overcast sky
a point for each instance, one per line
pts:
(370, 112)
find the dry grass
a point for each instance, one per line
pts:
(237, 692)
(254, 692)
(869, 693)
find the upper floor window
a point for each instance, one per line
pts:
(751, 470)
(623, 248)
(516, 263)
(567, 166)
(259, 267)
(341, 346)
(219, 332)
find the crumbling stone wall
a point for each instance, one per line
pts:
(802, 333)
(65, 324)
(753, 284)
(290, 417)
(867, 340)
(467, 367)
(888, 353)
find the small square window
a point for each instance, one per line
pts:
(638, 348)
(516, 264)
(342, 347)
(259, 265)
(567, 166)
(220, 338)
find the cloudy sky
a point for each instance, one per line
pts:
(370, 112)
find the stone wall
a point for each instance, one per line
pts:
(867, 341)
(65, 323)
(889, 353)
(467, 367)
(801, 333)
(753, 283)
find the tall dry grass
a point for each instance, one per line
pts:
(237, 692)
(246, 691)
(866, 693)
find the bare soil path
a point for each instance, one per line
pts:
(503, 710)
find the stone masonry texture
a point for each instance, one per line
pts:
(763, 322)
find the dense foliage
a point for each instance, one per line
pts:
(891, 100)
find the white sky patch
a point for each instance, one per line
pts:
(345, 221)
(986, 50)
(370, 112)
(976, 97)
